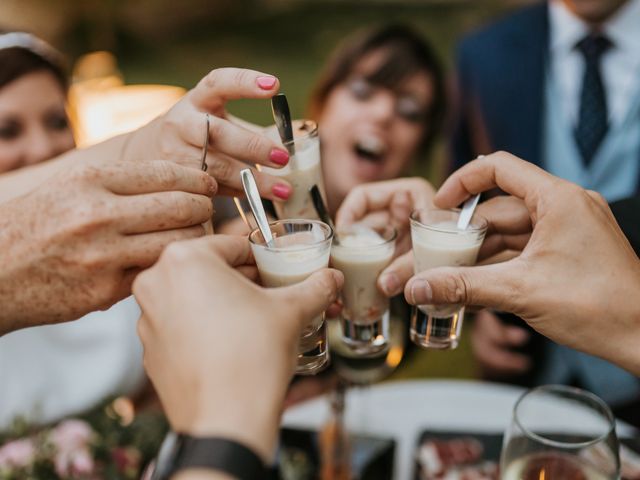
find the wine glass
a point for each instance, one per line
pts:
(560, 433)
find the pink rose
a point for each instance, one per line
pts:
(74, 464)
(17, 454)
(71, 435)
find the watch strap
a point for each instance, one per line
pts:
(219, 454)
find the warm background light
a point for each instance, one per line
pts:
(101, 106)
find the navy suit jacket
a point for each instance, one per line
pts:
(501, 81)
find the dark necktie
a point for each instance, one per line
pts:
(592, 119)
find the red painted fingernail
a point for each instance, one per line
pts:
(279, 156)
(282, 191)
(267, 82)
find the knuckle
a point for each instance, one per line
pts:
(88, 217)
(217, 128)
(93, 260)
(221, 169)
(456, 289)
(254, 145)
(597, 197)
(212, 79)
(182, 209)
(241, 76)
(165, 175)
(176, 253)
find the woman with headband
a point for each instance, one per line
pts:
(52, 371)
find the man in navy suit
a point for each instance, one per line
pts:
(557, 83)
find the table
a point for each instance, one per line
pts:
(402, 410)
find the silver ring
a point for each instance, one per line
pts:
(205, 145)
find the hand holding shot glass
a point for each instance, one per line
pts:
(361, 254)
(300, 248)
(438, 242)
(303, 170)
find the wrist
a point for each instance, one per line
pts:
(254, 424)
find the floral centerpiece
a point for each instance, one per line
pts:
(109, 442)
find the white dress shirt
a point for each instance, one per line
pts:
(620, 65)
(52, 371)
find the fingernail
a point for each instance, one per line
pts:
(279, 156)
(266, 82)
(390, 284)
(282, 191)
(421, 292)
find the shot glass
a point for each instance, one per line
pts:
(437, 242)
(303, 171)
(361, 255)
(301, 248)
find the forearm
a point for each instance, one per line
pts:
(19, 182)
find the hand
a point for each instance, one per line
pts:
(219, 349)
(75, 244)
(178, 135)
(493, 343)
(510, 229)
(577, 278)
(388, 202)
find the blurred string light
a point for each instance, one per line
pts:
(101, 106)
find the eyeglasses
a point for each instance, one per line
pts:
(407, 106)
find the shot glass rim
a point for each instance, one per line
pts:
(310, 134)
(470, 229)
(264, 246)
(392, 239)
(577, 392)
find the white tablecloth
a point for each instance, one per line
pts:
(403, 410)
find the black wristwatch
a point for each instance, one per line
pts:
(180, 451)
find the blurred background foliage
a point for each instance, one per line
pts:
(176, 42)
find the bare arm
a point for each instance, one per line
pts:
(19, 182)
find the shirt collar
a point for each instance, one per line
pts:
(566, 29)
(623, 29)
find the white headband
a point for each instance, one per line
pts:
(33, 44)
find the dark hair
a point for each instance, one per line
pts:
(18, 61)
(408, 53)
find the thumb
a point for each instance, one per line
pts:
(313, 295)
(493, 286)
(395, 276)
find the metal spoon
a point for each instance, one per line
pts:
(467, 210)
(321, 210)
(282, 117)
(253, 195)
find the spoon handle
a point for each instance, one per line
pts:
(282, 117)
(253, 195)
(321, 210)
(468, 208)
(467, 212)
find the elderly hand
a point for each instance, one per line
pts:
(577, 277)
(76, 243)
(220, 349)
(178, 135)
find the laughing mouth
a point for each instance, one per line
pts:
(370, 149)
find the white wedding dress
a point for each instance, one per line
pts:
(53, 371)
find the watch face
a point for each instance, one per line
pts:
(165, 461)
